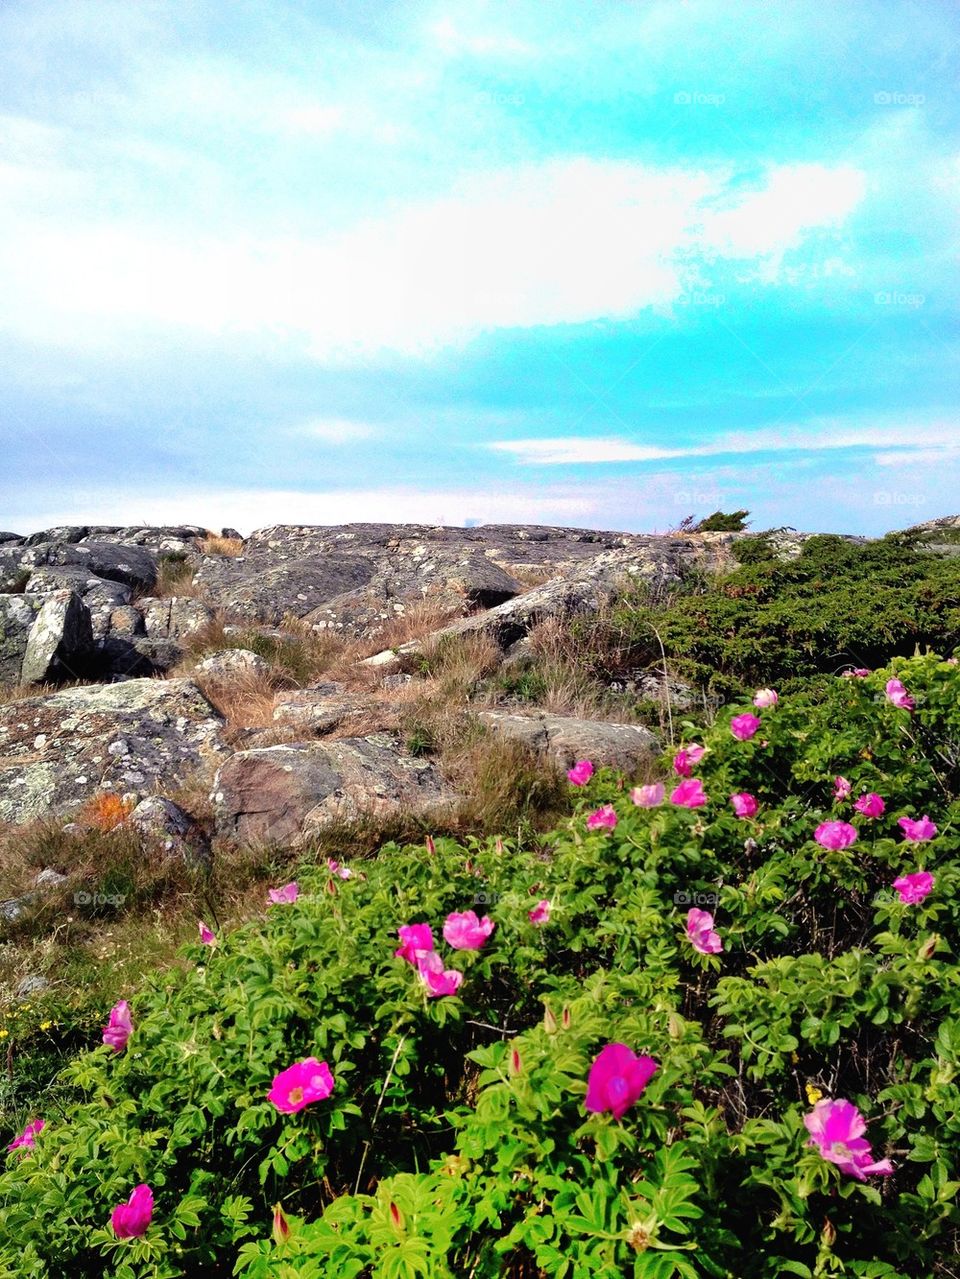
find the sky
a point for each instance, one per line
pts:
(600, 263)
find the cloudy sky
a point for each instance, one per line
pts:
(603, 263)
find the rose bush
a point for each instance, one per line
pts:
(589, 1092)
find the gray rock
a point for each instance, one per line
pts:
(267, 589)
(60, 643)
(17, 615)
(122, 658)
(50, 878)
(54, 749)
(61, 533)
(29, 985)
(567, 739)
(233, 662)
(6, 538)
(281, 794)
(170, 830)
(323, 708)
(175, 618)
(126, 622)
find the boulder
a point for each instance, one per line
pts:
(268, 589)
(174, 618)
(17, 616)
(230, 663)
(58, 750)
(281, 794)
(170, 830)
(566, 739)
(323, 707)
(60, 644)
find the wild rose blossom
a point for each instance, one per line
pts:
(744, 804)
(206, 936)
(119, 1028)
(131, 1219)
(835, 835)
(871, 805)
(540, 913)
(415, 940)
(687, 758)
(648, 796)
(859, 672)
(581, 772)
(841, 788)
(617, 1079)
(286, 895)
(700, 932)
(335, 868)
(914, 887)
(836, 1129)
(300, 1085)
(438, 980)
(689, 794)
(744, 726)
(464, 931)
(25, 1140)
(917, 830)
(898, 696)
(603, 818)
(764, 698)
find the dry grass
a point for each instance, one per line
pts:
(214, 544)
(175, 578)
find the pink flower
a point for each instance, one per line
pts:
(917, 830)
(744, 804)
(25, 1140)
(119, 1028)
(341, 872)
(285, 895)
(131, 1219)
(700, 932)
(206, 936)
(859, 672)
(437, 979)
(540, 913)
(871, 805)
(415, 940)
(898, 695)
(647, 796)
(300, 1084)
(914, 887)
(689, 794)
(604, 818)
(764, 698)
(744, 726)
(463, 931)
(836, 1129)
(841, 788)
(835, 835)
(681, 764)
(616, 1080)
(581, 772)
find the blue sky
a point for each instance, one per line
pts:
(601, 263)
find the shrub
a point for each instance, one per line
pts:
(456, 1140)
(723, 522)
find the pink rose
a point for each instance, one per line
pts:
(835, 835)
(744, 804)
(647, 796)
(744, 726)
(581, 772)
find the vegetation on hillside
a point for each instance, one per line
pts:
(775, 934)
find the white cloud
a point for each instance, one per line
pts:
(577, 450)
(558, 243)
(452, 39)
(334, 431)
(247, 509)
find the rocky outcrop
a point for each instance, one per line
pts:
(168, 830)
(44, 638)
(138, 736)
(280, 794)
(231, 663)
(566, 739)
(324, 707)
(174, 618)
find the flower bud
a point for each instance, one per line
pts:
(499, 845)
(515, 1063)
(638, 1238)
(281, 1227)
(396, 1216)
(565, 1018)
(829, 1233)
(928, 948)
(431, 846)
(549, 1021)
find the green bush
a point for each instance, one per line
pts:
(456, 1141)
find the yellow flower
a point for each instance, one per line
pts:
(45, 1025)
(4, 1033)
(813, 1094)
